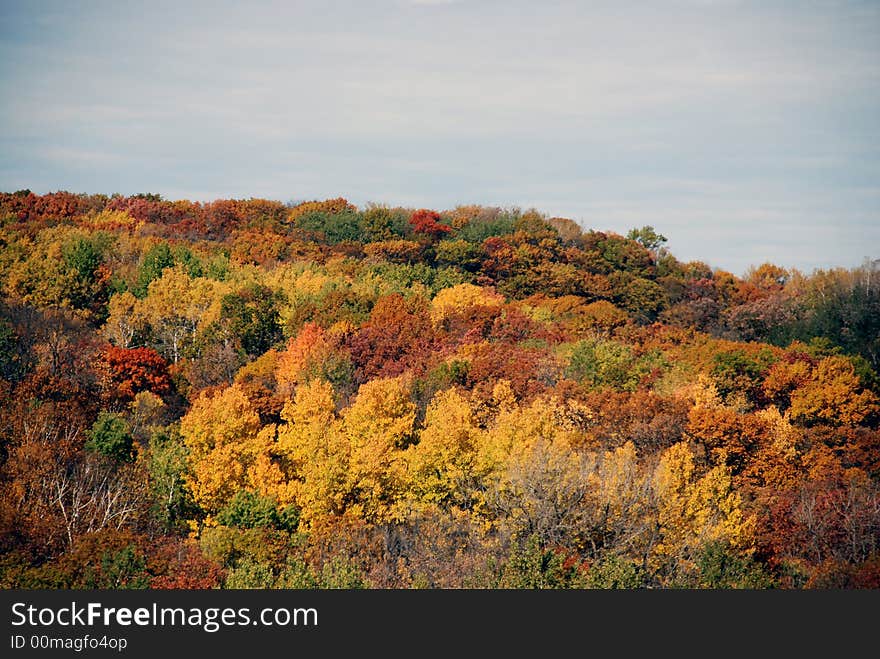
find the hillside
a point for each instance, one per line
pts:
(251, 394)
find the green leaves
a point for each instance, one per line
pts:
(110, 436)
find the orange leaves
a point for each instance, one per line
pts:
(834, 394)
(784, 377)
(729, 437)
(303, 352)
(529, 370)
(427, 222)
(394, 251)
(397, 336)
(330, 206)
(128, 371)
(259, 247)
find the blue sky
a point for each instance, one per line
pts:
(744, 132)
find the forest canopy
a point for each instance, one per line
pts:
(252, 394)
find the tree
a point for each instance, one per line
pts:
(153, 263)
(172, 501)
(222, 435)
(176, 307)
(460, 297)
(647, 237)
(124, 321)
(314, 354)
(110, 436)
(834, 394)
(398, 335)
(442, 464)
(694, 509)
(128, 371)
(252, 317)
(378, 427)
(427, 223)
(314, 452)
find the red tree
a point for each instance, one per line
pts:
(129, 371)
(427, 222)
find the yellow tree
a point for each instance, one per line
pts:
(625, 504)
(125, 319)
(460, 297)
(695, 510)
(354, 464)
(379, 427)
(537, 483)
(176, 307)
(442, 465)
(834, 394)
(314, 452)
(222, 435)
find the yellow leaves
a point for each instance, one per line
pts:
(674, 472)
(619, 483)
(174, 309)
(703, 393)
(124, 319)
(382, 411)
(783, 435)
(145, 410)
(222, 433)
(378, 426)
(449, 425)
(314, 451)
(461, 297)
(110, 219)
(695, 510)
(215, 420)
(833, 395)
(311, 282)
(442, 463)
(521, 435)
(175, 295)
(784, 377)
(502, 395)
(354, 463)
(218, 476)
(312, 407)
(265, 474)
(329, 206)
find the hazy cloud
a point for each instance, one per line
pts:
(744, 131)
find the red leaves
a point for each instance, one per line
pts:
(128, 371)
(427, 222)
(179, 565)
(398, 336)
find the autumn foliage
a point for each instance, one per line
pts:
(248, 394)
(129, 371)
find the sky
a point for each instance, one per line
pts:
(744, 132)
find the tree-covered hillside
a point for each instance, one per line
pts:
(251, 394)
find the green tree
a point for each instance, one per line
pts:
(248, 510)
(154, 261)
(647, 237)
(531, 566)
(612, 572)
(111, 436)
(251, 315)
